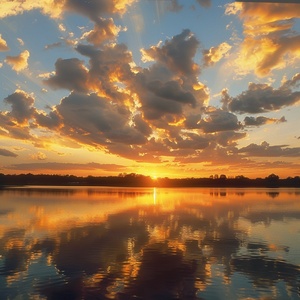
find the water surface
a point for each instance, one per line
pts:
(135, 243)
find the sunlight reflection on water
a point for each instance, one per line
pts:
(135, 243)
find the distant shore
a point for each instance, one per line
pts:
(137, 180)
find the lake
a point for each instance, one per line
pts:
(149, 243)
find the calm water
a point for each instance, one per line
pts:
(116, 243)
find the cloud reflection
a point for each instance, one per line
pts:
(175, 244)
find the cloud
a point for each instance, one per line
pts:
(108, 66)
(53, 45)
(50, 120)
(55, 166)
(263, 98)
(38, 156)
(21, 42)
(53, 8)
(128, 107)
(168, 90)
(5, 152)
(265, 150)
(204, 3)
(219, 120)
(56, 8)
(260, 13)
(153, 100)
(174, 6)
(69, 74)
(141, 125)
(10, 128)
(160, 98)
(215, 54)
(62, 27)
(215, 154)
(275, 56)
(19, 62)
(18, 122)
(269, 34)
(21, 106)
(176, 54)
(93, 120)
(214, 120)
(229, 138)
(3, 44)
(94, 8)
(258, 121)
(191, 141)
(104, 30)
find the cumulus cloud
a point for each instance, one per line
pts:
(21, 106)
(214, 54)
(176, 54)
(258, 121)
(19, 62)
(265, 150)
(69, 74)
(3, 44)
(104, 29)
(263, 98)
(229, 138)
(10, 128)
(93, 120)
(141, 125)
(190, 142)
(129, 105)
(213, 120)
(109, 67)
(50, 120)
(219, 120)
(169, 90)
(159, 99)
(269, 34)
(4, 152)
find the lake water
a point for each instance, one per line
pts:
(135, 243)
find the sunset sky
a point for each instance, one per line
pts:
(176, 88)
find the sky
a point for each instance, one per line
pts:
(163, 88)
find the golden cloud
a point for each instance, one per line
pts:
(3, 44)
(270, 42)
(53, 8)
(215, 54)
(56, 8)
(19, 62)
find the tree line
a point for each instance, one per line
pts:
(138, 180)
